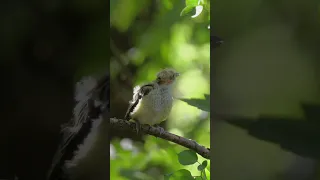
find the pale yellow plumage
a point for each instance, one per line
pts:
(154, 107)
(152, 102)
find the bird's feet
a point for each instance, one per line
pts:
(160, 129)
(138, 127)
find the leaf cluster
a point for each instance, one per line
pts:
(188, 157)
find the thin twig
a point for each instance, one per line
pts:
(188, 143)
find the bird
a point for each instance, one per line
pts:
(152, 102)
(92, 99)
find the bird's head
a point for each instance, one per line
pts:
(167, 76)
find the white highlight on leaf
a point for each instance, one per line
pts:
(199, 9)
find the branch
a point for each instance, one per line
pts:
(188, 143)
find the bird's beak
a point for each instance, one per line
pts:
(177, 74)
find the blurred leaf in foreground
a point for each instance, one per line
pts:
(203, 104)
(300, 136)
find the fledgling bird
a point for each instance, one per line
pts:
(152, 102)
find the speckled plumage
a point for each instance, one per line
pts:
(152, 103)
(154, 107)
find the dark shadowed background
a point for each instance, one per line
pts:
(46, 47)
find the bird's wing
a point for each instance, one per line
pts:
(138, 94)
(74, 132)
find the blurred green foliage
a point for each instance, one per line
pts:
(158, 37)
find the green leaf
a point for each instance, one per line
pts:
(192, 2)
(205, 163)
(187, 157)
(199, 9)
(181, 174)
(203, 104)
(202, 166)
(193, 11)
(198, 178)
(188, 10)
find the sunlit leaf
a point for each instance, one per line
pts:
(199, 9)
(181, 174)
(187, 157)
(188, 10)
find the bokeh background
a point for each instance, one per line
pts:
(147, 36)
(268, 65)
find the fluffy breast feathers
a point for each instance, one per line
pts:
(151, 104)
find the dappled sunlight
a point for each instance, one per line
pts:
(147, 73)
(186, 53)
(183, 115)
(193, 84)
(175, 131)
(201, 134)
(180, 34)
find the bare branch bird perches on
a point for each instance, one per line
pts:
(188, 143)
